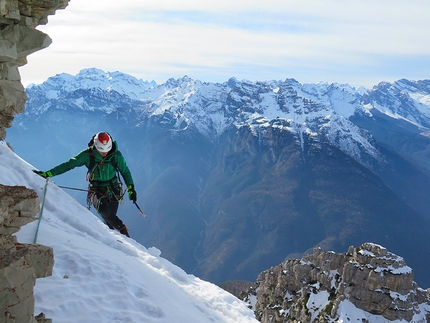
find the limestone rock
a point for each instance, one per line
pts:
(312, 289)
(19, 38)
(18, 205)
(20, 264)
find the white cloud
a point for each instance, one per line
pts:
(216, 40)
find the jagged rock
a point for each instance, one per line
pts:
(18, 205)
(314, 288)
(41, 319)
(19, 38)
(20, 264)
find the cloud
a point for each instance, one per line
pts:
(216, 40)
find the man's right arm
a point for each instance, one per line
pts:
(83, 158)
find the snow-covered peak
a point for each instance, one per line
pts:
(102, 276)
(210, 108)
(93, 78)
(320, 109)
(403, 99)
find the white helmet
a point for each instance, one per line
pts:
(103, 142)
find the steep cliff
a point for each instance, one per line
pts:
(20, 264)
(19, 38)
(366, 284)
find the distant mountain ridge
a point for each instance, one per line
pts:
(241, 174)
(313, 108)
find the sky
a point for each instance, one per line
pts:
(357, 42)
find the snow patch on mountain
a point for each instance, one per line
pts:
(190, 102)
(403, 99)
(316, 109)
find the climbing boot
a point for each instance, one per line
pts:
(123, 230)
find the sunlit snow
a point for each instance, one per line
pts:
(101, 276)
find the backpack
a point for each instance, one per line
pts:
(92, 165)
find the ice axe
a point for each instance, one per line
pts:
(141, 212)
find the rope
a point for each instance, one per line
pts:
(77, 189)
(120, 199)
(93, 191)
(41, 210)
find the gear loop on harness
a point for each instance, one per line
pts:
(113, 191)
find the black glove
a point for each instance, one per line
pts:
(132, 195)
(43, 174)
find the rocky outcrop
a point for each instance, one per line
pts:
(19, 38)
(317, 287)
(20, 264)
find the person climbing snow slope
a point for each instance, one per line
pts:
(104, 161)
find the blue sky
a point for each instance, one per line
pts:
(357, 42)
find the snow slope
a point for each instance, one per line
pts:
(102, 276)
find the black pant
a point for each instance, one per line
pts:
(107, 205)
(108, 209)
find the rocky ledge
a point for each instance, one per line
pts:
(369, 281)
(20, 264)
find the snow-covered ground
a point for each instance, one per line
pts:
(102, 276)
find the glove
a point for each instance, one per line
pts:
(43, 174)
(132, 195)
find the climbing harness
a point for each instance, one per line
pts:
(110, 192)
(120, 197)
(93, 200)
(41, 210)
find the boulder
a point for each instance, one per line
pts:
(313, 288)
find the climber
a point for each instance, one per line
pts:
(104, 161)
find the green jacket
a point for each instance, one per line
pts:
(103, 173)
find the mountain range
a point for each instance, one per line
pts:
(236, 177)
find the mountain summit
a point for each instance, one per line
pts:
(237, 176)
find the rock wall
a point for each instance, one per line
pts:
(20, 264)
(313, 288)
(19, 38)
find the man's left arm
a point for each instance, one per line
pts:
(126, 174)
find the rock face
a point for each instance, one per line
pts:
(20, 264)
(19, 38)
(315, 289)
